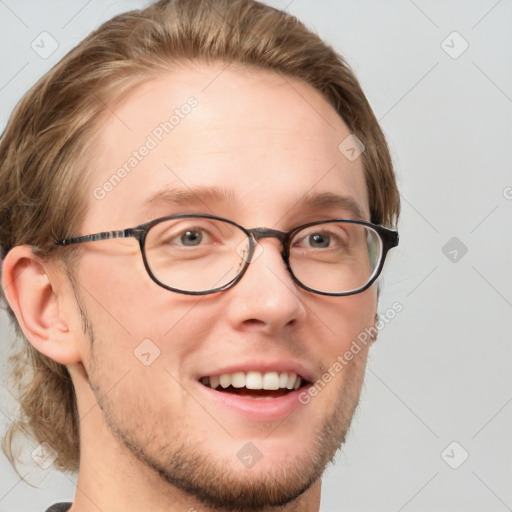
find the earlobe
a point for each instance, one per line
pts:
(32, 289)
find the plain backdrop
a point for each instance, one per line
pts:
(434, 428)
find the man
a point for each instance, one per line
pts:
(192, 217)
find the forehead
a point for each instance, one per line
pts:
(224, 139)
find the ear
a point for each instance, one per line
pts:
(35, 291)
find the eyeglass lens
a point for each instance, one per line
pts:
(200, 254)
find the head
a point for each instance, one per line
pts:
(229, 109)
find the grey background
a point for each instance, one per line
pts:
(440, 371)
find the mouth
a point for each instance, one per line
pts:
(256, 385)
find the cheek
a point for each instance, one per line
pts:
(346, 323)
(121, 297)
(344, 319)
(135, 321)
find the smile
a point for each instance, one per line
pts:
(254, 384)
(254, 380)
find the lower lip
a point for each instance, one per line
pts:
(266, 409)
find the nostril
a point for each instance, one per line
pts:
(254, 321)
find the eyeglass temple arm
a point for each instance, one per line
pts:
(105, 235)
(391, 236)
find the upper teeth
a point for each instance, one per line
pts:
(254, 380)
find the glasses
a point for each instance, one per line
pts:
(203, 254)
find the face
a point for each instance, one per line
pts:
(251, 147)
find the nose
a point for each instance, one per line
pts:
(266, 298)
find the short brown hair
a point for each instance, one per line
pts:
(44, 149)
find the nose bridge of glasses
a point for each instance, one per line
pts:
(259, 233)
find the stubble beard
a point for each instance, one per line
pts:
(225, 484)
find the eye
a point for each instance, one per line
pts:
(318, 240)
(186, 237)
(190, 237)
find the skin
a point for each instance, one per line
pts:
(268, 142)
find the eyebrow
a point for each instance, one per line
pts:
(205, 195)
(196, 195)
(330, 200)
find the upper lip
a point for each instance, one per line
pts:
(278, 365)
